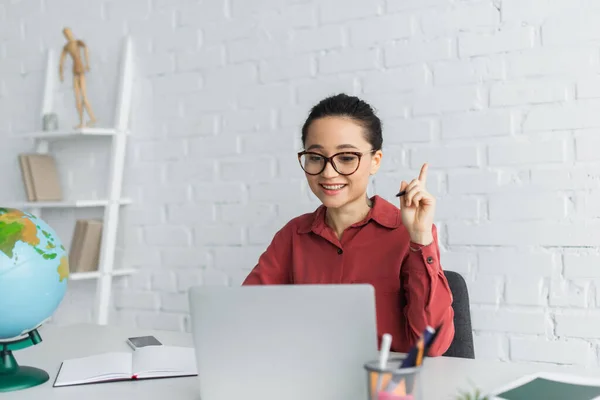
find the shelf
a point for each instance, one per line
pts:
(62, 204)
(59, 134)
(81, 276)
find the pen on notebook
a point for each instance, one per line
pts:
(386, 342)
(413, 355)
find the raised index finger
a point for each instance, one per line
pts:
(423, 174)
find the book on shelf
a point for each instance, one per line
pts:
(148, 362)
(84, 253)
(40, 177)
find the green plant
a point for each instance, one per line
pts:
(476, 395)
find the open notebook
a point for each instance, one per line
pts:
(549, 386)
(144, 363)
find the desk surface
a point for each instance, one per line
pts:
(447, 376)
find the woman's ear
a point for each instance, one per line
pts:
(375, 162)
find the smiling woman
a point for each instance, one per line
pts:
(353, 238)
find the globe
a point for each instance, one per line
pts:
(34, 270)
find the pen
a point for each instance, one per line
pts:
(414, 355)
(386, 342)
(401, 193)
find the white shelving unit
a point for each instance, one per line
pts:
(112, 204)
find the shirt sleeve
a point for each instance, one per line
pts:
(273, 267)
(428, 295)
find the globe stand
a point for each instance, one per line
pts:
(14, 377)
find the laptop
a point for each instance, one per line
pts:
(293, 342)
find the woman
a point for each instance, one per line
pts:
(352, 238)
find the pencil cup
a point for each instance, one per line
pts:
(393, 382)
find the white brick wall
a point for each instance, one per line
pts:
(501, 97)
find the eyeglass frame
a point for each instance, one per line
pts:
(330, 160)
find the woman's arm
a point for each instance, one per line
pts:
(428, 296)
(273, 267)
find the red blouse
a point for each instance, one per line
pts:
(411, 290)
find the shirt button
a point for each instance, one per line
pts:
(429, 260)
(340, 251)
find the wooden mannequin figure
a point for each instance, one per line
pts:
(73, 48)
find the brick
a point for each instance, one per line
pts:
(323, 38)
(201, 102)
(212, 277)
(236, 121)
(486, 290)
(509, 321)
(330, 11)
(573, 28)
(219, 32)
(161, 321)
(532, 12)
(588, 88)
(212, 146)
(157, 64)
(565, 178)
(458, 261)
(395, 80)
(193, 125)
(254, 49)
(521, 93)
(573, 61)
(572, 352)
(569, 294)
(275, 191)
(547, 151)
(184, 257)
(294, 15)
(580, 325)
(464, 17)
(457, 208)
(269, 143)
(399, 131)
(207, 57)
(309, 92)
(526, 291)
(586, 145)
(229, 258)
(247, 171)
(247, 214)
(476, 44)
(477, 124)
(242, 8)
(161, 151)
(180, 39)
(167, 107)
(261, 233)
(393, 105)
(587, 205)
(348, 61)
(286, 69)
(163, 281)
(187, 278)
(445, 157)
(522, 233)
(582, 266)
(518, 206)
(490, 346)
(265, 96)
(218, 235)
(414, 52)
(137, 300)
(174, 302)
(403, 5)
(448, 99)
(185, 214)
(168, 193)
(379, 30)
(231, 77)
(471, 70)
(190, 171)
(218, 192)
(198, 14)
(165, 235)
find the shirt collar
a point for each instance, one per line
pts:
(382, 212)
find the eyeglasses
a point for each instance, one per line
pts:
(345, 163)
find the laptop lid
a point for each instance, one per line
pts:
(293, 342)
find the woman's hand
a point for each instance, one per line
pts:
(418, 208)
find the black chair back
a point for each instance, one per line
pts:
(462, 344)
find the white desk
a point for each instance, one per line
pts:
(444, 376)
